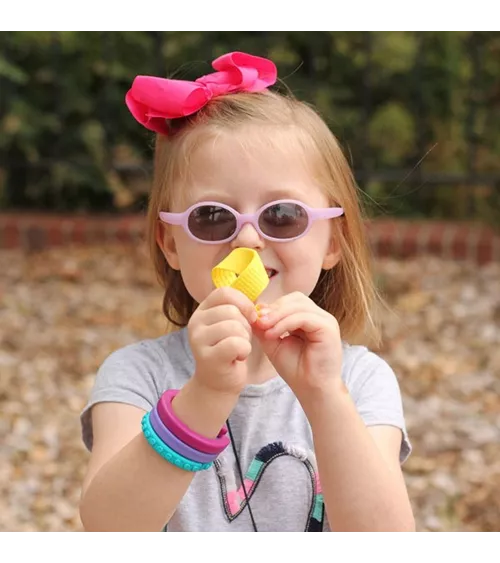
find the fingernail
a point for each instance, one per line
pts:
(264, 312)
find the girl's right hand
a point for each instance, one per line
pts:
(220, 335)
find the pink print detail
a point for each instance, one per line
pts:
(248, 486)
(317, 487)
(235, 498)
(234, 501)
(249, 483)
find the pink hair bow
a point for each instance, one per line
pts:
(153, 100)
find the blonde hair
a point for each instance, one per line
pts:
(347, 291)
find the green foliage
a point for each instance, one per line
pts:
(392, 134)
(425, 102)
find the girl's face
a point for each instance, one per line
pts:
(246, 179)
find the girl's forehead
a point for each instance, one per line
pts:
(268, 149)
(247, 161)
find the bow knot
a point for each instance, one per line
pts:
(153, 100)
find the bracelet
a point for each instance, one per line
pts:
(167, 453)
(174, 443)
(184, 433)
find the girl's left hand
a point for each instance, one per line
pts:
(302, 341)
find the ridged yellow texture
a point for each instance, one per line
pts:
(242, 269)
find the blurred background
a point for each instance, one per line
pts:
(418, 114)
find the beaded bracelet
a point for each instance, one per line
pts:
(170, 455)
(174, 443)
(184, 433)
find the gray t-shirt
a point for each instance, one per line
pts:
(271, 435)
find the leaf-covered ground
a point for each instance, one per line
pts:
(63, 311)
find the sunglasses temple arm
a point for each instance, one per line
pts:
(329, 213)
(172, 218)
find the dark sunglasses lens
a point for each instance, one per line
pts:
(283, 220)
(211, 223)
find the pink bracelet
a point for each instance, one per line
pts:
(184, 433)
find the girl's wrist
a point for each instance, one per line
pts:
(315, 400)
(202, 409)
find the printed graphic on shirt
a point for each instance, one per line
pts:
(233, 497)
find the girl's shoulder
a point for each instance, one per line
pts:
(138, 373)
(165, 351)
(375, 389)
(360, 361)
(367, 373)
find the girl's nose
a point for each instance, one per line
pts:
(248, 237)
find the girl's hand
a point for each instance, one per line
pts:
(220, 336)
(303, 343)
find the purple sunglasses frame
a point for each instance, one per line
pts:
(313, 214)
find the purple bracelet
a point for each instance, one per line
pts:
(174, 443)
(198, 442)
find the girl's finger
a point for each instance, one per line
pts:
(311, 324)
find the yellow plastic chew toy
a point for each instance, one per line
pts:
(242, 269)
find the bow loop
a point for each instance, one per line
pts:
(152, 100)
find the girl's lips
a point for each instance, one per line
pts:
(271, 272)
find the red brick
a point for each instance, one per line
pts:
(110, 232)
(435, 235)
(384, 234)
(123, 231)
(54, 234)
(96, 233)
(79, 232)
(484, 247)
(67, 227)
(496, 248)
(34, 236)
(408, 240)
(388, 237)
(449, 233)
(459, 245)
(484, 253)
(11, 236)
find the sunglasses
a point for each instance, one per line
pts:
(279, 221)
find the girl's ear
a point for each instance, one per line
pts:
(166, 241)
(332, 257)
(334, 252)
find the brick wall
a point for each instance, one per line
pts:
(389, 237)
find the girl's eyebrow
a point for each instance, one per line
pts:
(212, 196)
(228, 198)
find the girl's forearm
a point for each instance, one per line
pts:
(361, 492)
(137, 490)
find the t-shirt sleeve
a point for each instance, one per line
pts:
(128, 375)
(375, 390)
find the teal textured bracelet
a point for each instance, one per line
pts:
(166, 452)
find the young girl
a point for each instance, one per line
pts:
(241, 421)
